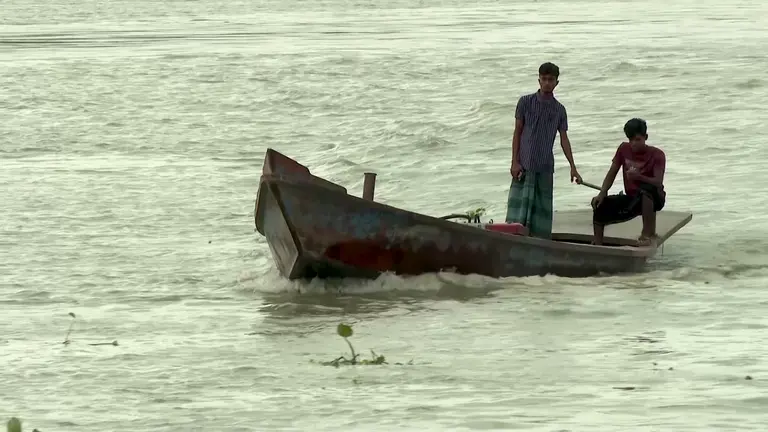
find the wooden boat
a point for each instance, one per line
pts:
(314, 228)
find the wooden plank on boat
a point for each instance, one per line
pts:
(576, 225)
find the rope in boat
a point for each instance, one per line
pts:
(471, 216)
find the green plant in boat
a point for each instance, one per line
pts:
(476, 213)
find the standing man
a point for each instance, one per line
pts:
(538, 117)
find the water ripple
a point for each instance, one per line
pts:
(131, 150)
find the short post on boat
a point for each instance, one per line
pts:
(369, 185)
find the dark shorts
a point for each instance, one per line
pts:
(621, 208)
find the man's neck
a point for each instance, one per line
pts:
(543, 95)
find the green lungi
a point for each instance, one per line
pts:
(530, 203)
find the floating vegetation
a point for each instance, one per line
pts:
(14, 425)
(67, 341)
(345, 331)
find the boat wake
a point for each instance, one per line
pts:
(446, 285)
(426, 285)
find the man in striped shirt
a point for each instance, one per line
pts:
(538, 117)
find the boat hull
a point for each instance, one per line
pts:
(314, 232)
(315, 229)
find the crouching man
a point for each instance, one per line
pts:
(642, 167)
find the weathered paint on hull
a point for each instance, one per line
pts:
(291, 260)
(319, 231)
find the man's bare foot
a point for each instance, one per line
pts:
(647, 241)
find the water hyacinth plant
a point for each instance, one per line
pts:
(345, 331)
(14, 425)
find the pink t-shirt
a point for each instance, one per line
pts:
(650, 163)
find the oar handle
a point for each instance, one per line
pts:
(590, 185)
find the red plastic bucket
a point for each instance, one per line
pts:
(508, 228)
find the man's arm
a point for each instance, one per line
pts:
(610, 176)
(616, 164)
(565, 143)
(519, 124)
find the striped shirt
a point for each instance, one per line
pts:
(542, 119)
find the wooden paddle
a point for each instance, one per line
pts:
(590, 185)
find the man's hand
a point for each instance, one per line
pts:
(575, 175)
(634, 175)
(596, 201)
(516, 170)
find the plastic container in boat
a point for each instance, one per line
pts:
(507, 228)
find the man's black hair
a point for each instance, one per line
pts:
(549, 69)
(635, 127)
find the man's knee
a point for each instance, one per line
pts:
(648, 204)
